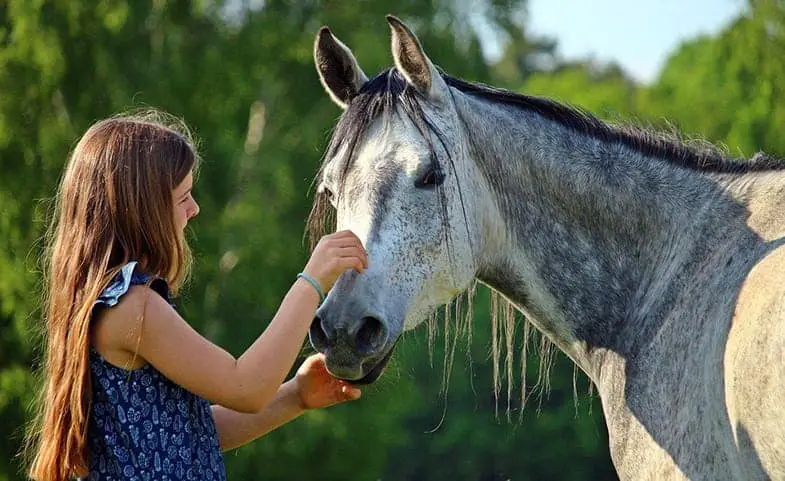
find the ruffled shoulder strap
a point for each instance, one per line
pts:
(127, 277)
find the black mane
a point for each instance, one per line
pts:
(389, 90)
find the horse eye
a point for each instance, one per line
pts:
(431, 178)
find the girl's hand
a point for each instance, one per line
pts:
(334, 254)
(318, 389)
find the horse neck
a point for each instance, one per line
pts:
(584, 233)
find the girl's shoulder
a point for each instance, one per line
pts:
(119, 310)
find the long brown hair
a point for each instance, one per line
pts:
(114, 205)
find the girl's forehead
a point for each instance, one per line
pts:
(186, 183)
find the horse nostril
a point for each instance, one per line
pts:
(371, 335)
(319, 338)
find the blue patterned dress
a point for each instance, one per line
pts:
(142, 425)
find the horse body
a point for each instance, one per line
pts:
(655, 266)
(672, 297)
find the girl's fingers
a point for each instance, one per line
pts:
(349, 242)
(350, 393)
(354, 252)
(354, 263)
(344, 263)
(314, 360)
(345, 237)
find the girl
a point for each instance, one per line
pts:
(129, 384)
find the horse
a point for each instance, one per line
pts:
(657, 265)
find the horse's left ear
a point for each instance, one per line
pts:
(411, 61)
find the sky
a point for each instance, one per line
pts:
(637, 34)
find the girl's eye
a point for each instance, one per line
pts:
(430, 179)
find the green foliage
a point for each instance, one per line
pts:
(729, 89)
(243, 78)
(603, 90)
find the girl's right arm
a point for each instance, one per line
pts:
(248, 383)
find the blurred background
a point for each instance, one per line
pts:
(240, 72)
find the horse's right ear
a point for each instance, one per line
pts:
(338, 70)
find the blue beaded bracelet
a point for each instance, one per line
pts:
(315, 285)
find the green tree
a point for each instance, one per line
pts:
(604, 90)
(728, 89)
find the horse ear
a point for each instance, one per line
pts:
(411, 61)
(339, 71)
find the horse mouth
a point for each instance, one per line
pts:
(375, 372)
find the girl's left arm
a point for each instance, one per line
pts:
(311, 388)
(236, 429)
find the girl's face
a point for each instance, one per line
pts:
(185, 207)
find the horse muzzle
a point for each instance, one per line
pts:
(356, 350)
